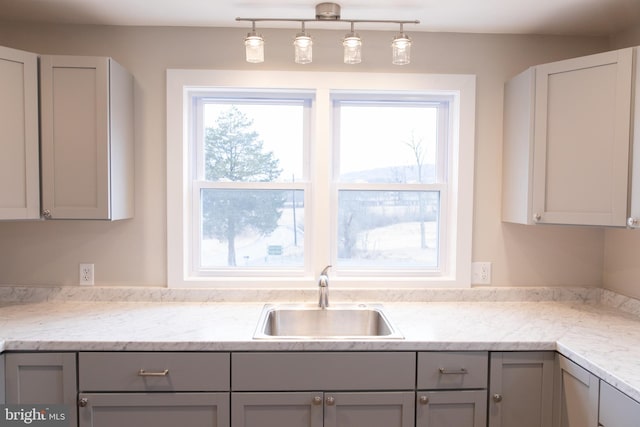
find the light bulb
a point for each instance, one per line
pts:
(303, 48)
(254, 48)
(352, 49)
(401, 49)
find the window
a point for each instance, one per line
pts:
(272, 176)
(248, 187)
(391, 181)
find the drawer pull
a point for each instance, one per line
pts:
(461, 371)
(143, 373)
(424, 400)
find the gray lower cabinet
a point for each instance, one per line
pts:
(521, 389)
(577, 393)
(456, 408)
(323, 409)
(42, 378)
(2, 400)
(291, 409)
(159, 389)
(452, 389)
(154, 409)
(616, 408)
(323, 389)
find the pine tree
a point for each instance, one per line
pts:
(235, 153)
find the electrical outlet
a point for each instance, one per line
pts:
(480, 273)
(86, 274)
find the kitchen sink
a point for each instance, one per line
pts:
(336, 322)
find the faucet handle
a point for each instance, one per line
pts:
(325, 270)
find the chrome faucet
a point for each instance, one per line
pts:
(323, 283)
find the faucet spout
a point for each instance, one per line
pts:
(323, 284)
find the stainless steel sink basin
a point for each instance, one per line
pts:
(340, 321)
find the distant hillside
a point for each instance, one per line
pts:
(396, 174)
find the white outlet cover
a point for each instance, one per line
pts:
(480, 273)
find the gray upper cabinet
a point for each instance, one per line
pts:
(19, 150)
(521, 389)
(87, 138)
(567, 140)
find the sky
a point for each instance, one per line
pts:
(367, 141)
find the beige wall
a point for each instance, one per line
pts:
(622, 247)
(133, 252)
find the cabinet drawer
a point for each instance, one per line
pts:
(452, 370)
(323, 371)
(153, 371)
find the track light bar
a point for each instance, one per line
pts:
(352, 43)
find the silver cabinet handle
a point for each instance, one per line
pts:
(633, 222)
(537, 217)
(46, 213)
(423, 400)
(83, 402)
(461, 371)
(497, 398)
(143, 373)
(317, 400)
(330, 400)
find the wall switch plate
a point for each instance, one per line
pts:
(86, 274)
(480, 273)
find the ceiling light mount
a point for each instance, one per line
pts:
(329, 12)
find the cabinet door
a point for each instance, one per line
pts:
(581, 140)
(383, 409)
(42, 378)
(521, 389)
(87, 138)
(154, 409)
(299, 409)
(464, 408)
(577, 391)
(19, 152)
(616, 408)
(2, 399)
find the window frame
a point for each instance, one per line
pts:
(461, 89)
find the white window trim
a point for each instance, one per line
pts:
(461, 87)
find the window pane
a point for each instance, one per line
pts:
(388, 228)
(260, 142)
(252, 228)
(394, 143)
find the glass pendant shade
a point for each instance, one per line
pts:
(303, 48)
(254, 48)
(352, 49)
(401, 47)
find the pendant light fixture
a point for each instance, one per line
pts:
(254, 46)
(303, 47)
(352, 43)
(401, 48)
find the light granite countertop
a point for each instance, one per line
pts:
(598, 330)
